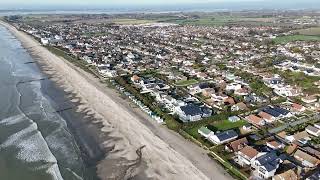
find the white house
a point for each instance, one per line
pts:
(223, 137)
(233, 86)
(192, 112)
(245, 155)
(205, 132)
(265, 165)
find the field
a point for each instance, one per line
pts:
(131, 21)
(186, 82)
(220, 20)
(310, 31)
(286, 39)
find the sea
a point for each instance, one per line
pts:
(38, 123)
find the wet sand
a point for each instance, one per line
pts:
(137, 147)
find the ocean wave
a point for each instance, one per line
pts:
(31, 146)
(12, 120)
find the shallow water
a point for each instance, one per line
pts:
(35, 142)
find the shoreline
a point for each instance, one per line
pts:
(129, 129)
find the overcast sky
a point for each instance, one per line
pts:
(113, 1)
(109, 3)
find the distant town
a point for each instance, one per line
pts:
(242, 85)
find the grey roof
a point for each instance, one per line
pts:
(226, 135)
(281, 110)
(269, 157)
(314, 176)
(269, 161)
(272, 112)
(312, 129)
(191, 109)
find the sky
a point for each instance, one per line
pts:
(113, 3)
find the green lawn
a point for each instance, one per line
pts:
(186, 82)
(301, 80)
(315, 31)
(226, 125)
(286, 39)
(216, 125)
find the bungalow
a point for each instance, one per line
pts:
(313, 131)
(267, 117)
(275, 145)
(245, 155)
(233, 87)
(266, 164)
(306, 159)
(300, 137)
(310, 99)
(192, 112)
(287, 175)
(287, 91)
(233, 119)
(205, 132)
(241, 92)
(223, 137)
(239, 107)
(135, 79)
(208, 92)
(255, 120)
(297, 107)
(284, 113)
(229, 101)
(237, 145)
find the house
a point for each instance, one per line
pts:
(237, 145)
(245, 155)
(239, 107)
(314, 176)
(299, 137)
(229, 101)
(317, 125)
(297, 107)
(208, 92)
(44, 41)
(266, 164)
(192, 112)
(313, 131)
(287, 91)
(233, 87)
(267, 117)
(255, 120)
(135, 79)
(275, 145)
(241, 92)
(306, 159)
(312, 151)
(287, 175)
(205, 132)
(223, 137)
(310, 99)
(284, 113)
(233, 119)
(272, 112)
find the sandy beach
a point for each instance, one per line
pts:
(131, 133)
